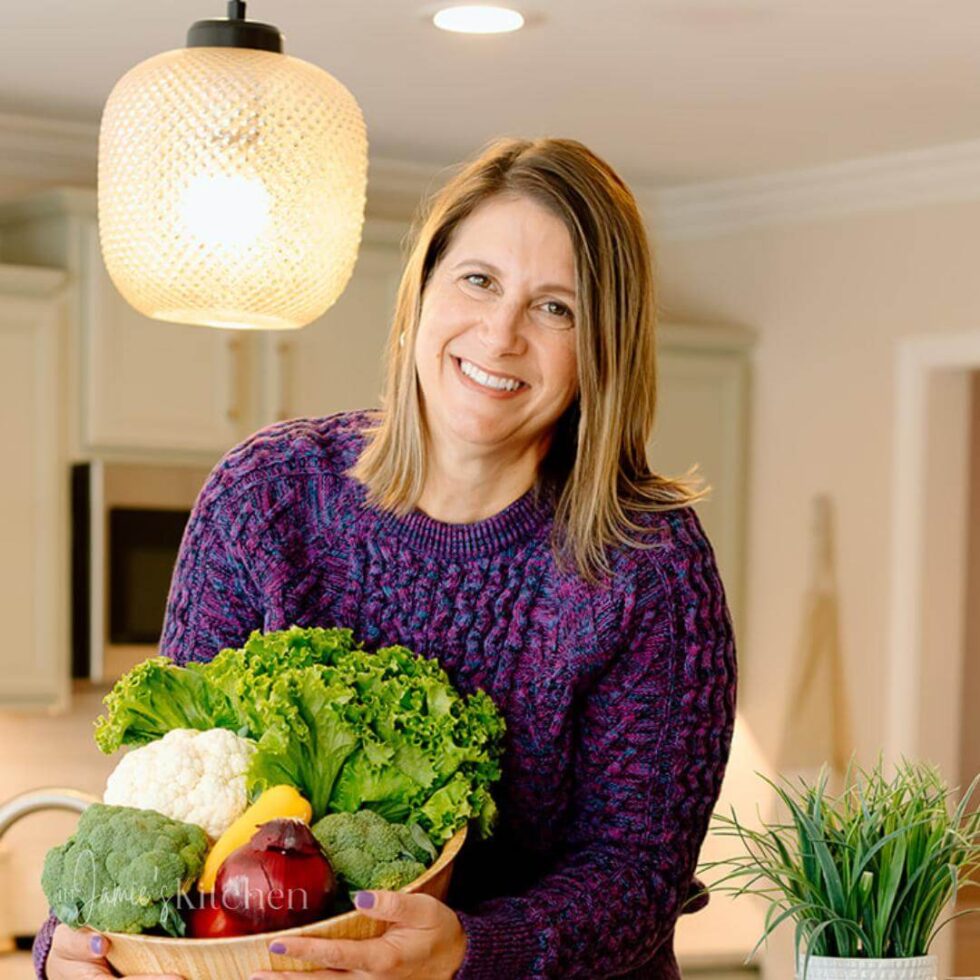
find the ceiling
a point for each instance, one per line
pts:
(669, 91)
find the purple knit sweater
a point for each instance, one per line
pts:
(619, 702)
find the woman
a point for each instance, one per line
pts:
(499, 514)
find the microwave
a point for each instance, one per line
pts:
(127, 521)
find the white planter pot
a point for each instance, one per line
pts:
(844, 968)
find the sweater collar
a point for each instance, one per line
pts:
(518, 522)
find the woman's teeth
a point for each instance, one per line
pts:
(488, 380)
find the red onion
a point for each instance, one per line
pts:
(278, 880)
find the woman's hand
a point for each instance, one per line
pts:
(79, 954)
(424, 941)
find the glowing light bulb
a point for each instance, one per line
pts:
(478, 19)
(229, 211)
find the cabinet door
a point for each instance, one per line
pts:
(701, 419)
(33, 506)
(335, 364)
(149, 384)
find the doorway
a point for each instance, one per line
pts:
(934, 615)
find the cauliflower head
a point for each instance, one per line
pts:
(193, 776)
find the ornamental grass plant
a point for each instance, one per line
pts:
(865, 874)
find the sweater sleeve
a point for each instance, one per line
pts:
(213, 602)
(653, 740)
(42, 946)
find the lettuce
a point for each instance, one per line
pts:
(347, 727)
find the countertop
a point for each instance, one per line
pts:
(16, 966)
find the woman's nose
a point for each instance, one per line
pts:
(502, 329)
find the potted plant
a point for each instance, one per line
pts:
(864, 875)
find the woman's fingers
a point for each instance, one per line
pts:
(76, 954)
(79, 954)
(78, 944)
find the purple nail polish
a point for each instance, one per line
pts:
(279, 948)
(97, 945)
(364, 900)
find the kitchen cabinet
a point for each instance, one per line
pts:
(703, 419)
(137, 385)
(146, 388)
(34, 532)
(151, 385)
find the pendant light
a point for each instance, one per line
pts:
(232, 181)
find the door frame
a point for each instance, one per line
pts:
(920, 361)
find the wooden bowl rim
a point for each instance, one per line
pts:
(449, 852)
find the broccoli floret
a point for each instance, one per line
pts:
(366, 851)
(355, 866)
(340, 832)
(395, 874)
(122, 869)
(383, 841)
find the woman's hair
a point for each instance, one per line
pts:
(596, 468)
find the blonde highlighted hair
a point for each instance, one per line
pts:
(596, 470)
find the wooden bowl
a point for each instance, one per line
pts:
(237, 957)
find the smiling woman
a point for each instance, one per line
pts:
(498, 513)
(533, 259)
(494, 355)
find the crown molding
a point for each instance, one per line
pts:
(406, 177)
(43, 153)
(948, 173)
(48, 151)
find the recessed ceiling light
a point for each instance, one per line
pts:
(478, 19)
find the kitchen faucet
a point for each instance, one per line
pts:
(44, 798)
(31, 801)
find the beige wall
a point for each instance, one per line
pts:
(830, 300)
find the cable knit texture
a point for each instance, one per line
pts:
(619, 701)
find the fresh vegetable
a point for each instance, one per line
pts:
(348, 728)
(157, 696)
(278, 880)
(123, 870)
(194, 776)
(213, 922)
(277, 801)
(367, 851)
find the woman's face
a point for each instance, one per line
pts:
(495, 350)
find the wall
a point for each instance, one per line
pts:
(830, 300)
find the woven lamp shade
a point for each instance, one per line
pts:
(232, 186)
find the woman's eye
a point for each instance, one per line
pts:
(552, 307)
(559, 309)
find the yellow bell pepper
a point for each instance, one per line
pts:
(275, 802)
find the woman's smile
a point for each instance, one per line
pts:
(472, 375)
